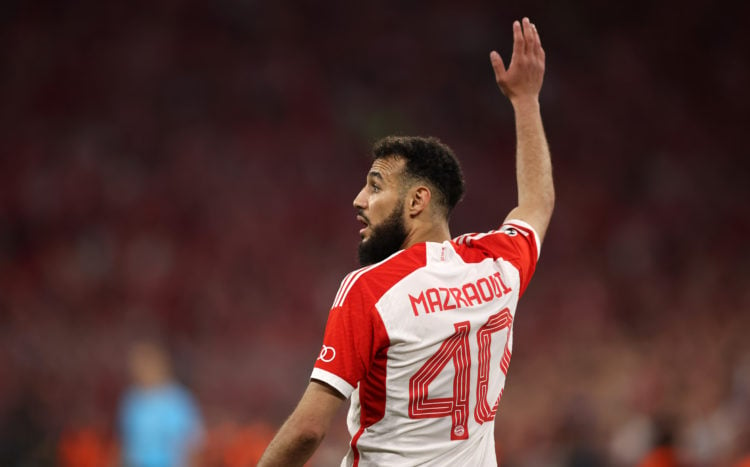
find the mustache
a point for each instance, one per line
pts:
(362, 215)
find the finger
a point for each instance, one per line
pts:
(533, 49)
(538, 50)
(497, 65)
(535, 34)
(518, 44)
(528, 35)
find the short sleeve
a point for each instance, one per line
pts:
(515, 241)
(354, 333)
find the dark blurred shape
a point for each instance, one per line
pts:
(24, 441)
(578, 435)
(664, 451)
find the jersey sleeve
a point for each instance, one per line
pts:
(354, 334)
(515, 241)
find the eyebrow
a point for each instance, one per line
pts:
(376, 174)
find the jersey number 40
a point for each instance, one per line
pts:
(456, 349)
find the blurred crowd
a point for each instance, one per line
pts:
(182, 172)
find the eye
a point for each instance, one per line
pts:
(375, 187)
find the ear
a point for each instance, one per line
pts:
(418, 200)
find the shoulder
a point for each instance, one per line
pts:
(371, 282)
(129, 400)
(179, 394)
(510, 238)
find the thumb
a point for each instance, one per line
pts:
(497, 65)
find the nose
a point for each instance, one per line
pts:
(360, 201)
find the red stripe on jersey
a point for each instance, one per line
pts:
(372, 388)
(373, 283)
(355, 451)
(347, 283)
(371, 397)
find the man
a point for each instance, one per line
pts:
(159, 419)
(421, 337)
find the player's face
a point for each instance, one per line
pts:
(380, 208)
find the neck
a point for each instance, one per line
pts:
(434, 232)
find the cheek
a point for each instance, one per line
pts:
(387, 209)
(379, 207)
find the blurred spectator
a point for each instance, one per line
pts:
(159, 420)
(23, 440)
(664, 452)
(578, 435)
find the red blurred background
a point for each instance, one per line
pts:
(184, 170)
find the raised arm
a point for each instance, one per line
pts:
(521, 83)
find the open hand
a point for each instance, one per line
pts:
(523, 78)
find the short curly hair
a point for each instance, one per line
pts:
(428, 160)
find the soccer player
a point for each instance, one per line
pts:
(420, 338)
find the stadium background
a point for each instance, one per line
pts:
(185, 170)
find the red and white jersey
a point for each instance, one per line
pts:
(422, 341)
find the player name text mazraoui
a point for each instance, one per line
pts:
(452, 298)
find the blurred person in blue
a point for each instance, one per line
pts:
(159, 420)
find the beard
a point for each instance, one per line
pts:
(387, 238)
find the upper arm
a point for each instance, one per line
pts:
(536, 218)
(303, 431)
(316, 408)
